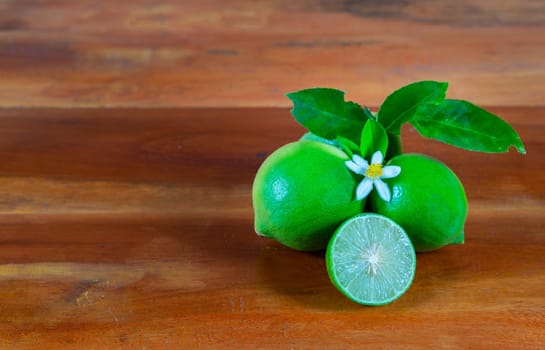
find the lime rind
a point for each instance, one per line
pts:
(459, 239)
(291, 188)
(313, 137)
(371, 260)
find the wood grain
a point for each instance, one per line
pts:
(249, 53)
(133, 229)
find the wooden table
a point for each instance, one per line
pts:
(151, 53)
(131, 228)
(130, 133)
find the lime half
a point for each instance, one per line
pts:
(371, 260)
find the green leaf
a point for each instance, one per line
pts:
(373, 138)
(325, 113)
(347, 146)
(462, 124)
(403, 104)
(395, 146)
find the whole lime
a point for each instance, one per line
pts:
(428, 201)
(302, 192)
(313, 137)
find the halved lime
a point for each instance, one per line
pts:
(371, 260)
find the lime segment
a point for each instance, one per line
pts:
(371, 260)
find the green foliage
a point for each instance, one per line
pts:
(325, 113)
(462, 124)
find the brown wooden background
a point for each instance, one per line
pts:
(130, 132)
(249, 53)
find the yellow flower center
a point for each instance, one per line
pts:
(374, 171)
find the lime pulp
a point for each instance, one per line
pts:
(371, 260)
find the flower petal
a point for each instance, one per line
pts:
(360, 161)
(377, 158)
(354, 167)
(382, 189)
(364, 188)
(390, 171)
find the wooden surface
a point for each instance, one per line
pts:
(90, 53)
(133, 229)
(130, 132)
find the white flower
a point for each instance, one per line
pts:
(374, 174)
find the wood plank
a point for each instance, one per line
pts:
(133, 228)
(193, 53)
(139, 160)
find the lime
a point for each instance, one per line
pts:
(313, 137)
(371, 260)
(302, 192)
(428, 201)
